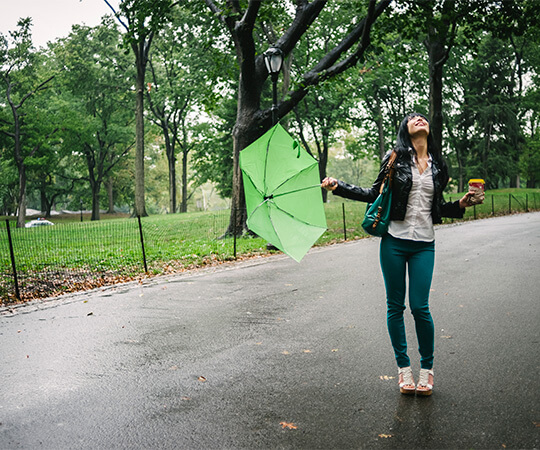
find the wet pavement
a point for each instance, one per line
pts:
(269, 353)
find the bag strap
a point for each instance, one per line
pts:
(390, 169)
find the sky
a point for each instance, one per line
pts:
(51, 18)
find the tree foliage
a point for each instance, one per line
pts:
(352, 70)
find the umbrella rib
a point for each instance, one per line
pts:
(297, 190)
(296, 175)
(270, 217)
(294, 217)
(252, 182)
(266, 156)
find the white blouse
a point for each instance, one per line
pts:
(418, 224)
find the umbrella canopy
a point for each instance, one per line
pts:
(283, 195)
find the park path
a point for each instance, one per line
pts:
(269, 353)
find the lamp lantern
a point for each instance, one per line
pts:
(273, 58)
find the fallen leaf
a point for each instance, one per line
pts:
(173, 368)
(307, 351)
(446, 337)
(385, 436)
(201, 379)
(285, 352)
(386, 377)
(185, 398)
(537, 424)
(334, 349)
(290, 426)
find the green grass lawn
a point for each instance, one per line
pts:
(74, 255)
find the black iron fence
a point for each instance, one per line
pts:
(50, 260)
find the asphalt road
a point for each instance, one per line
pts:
(269, 353)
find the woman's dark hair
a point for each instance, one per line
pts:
(403, 141)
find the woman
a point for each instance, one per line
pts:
(417, 203)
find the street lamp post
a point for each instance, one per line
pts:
(273, 58)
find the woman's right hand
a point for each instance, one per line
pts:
(329, 183)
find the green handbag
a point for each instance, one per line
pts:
(377, 215)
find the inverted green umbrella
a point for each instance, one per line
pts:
(283, 195)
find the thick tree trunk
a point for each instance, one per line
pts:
(246, 130)
(95, 201)
(21, 197)
(183, 207)
(485, 155)
(140, 205)
(95, 187)
(172, 185)
(110, 195)
(439, 42)
(241, 139)
(45, 204)
(436, 53)
(21, 203)
(171, 159)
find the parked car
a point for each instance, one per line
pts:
(40, 222)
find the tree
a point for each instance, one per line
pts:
(212, 157)
(487, 134)
(326, 108)
(23, 81)
(99, 125)
(321, 113)
(252, 121)
(182, 78)
(389, 87)
(141, 20)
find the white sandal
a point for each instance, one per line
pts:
(425, 382)
(406, 381)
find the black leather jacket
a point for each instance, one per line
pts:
(401, 188)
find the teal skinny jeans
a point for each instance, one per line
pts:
(396, 257)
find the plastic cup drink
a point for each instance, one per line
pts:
(477, 186)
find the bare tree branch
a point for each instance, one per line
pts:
(251, 13)
(37, 89)
(327, 66)
(229, 21)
